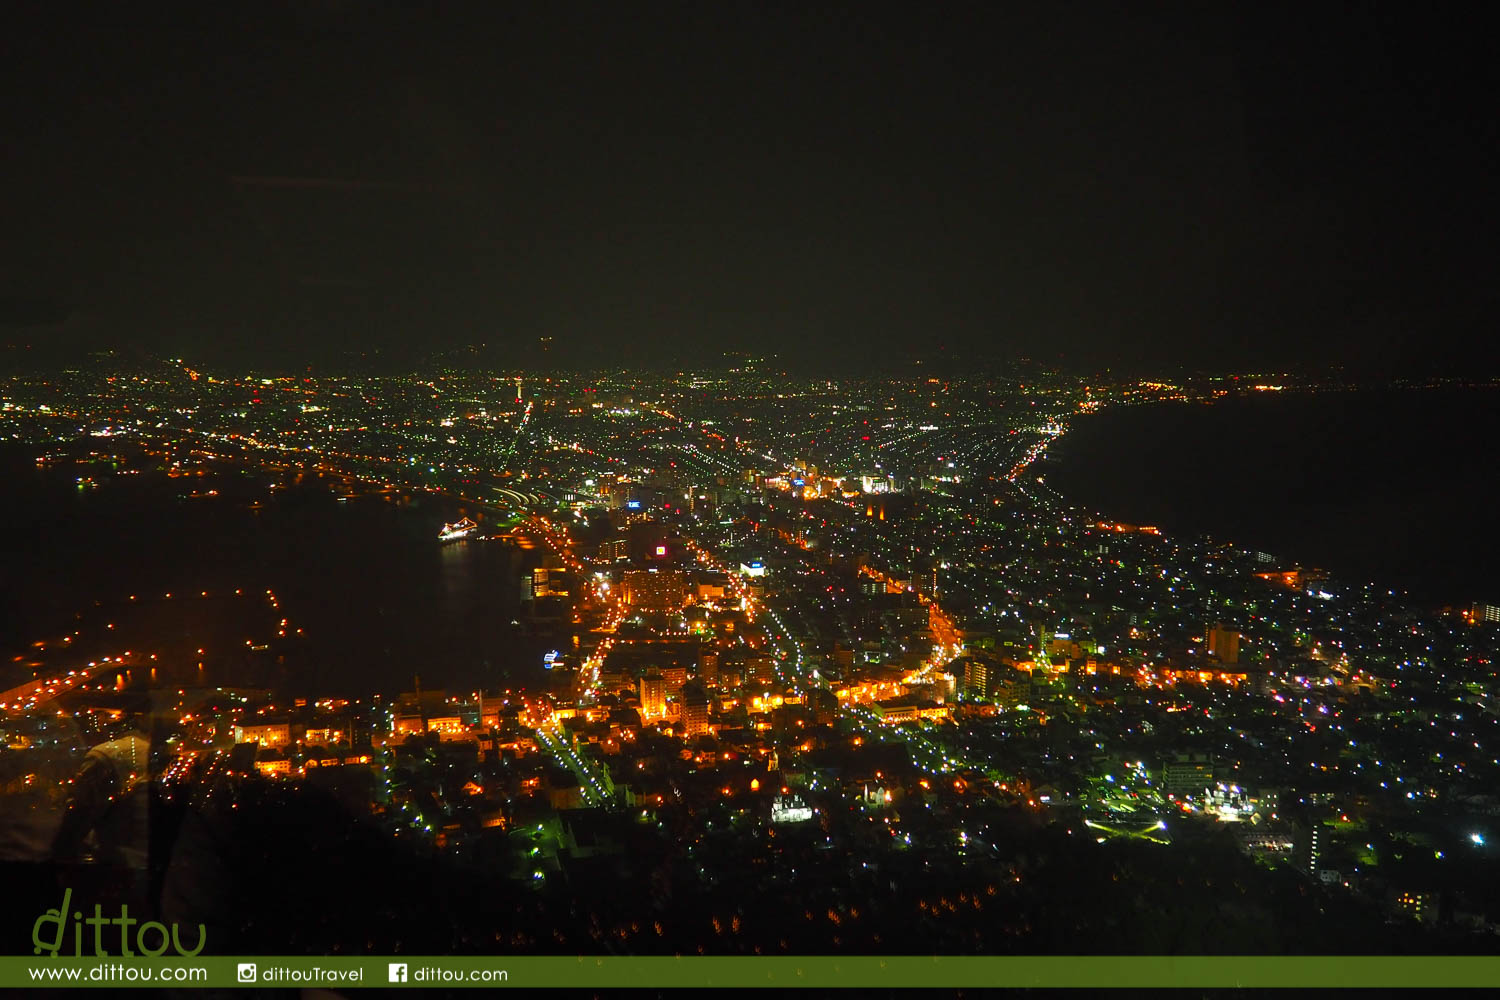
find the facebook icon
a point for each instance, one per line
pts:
(397, 972)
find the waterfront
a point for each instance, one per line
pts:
(378, 598)
(1390, 486)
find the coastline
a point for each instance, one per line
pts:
(1363, 483)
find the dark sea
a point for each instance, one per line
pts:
(378, 598)
(1397, 487)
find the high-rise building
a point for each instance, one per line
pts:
(663, 590)
(695, 704)
(1224, 644)
(824, 705)
(708, 667)
(653, 696)
(1010, 690)
(1189, 774)
(976, 678)
(759, 667)
(675, 675)
(545, 582)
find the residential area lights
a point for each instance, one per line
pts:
(771, 581)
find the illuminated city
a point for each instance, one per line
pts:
(789, 625)
(698, 495)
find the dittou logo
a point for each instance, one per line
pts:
(101, 936)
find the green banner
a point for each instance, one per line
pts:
(698, 972)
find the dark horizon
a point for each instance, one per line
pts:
(38, 358)
(1216, 189)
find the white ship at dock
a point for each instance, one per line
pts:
(460, 529)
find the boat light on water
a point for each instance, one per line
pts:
(463, 528)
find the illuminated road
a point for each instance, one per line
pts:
(1155, 832)
(926, 753)
(34, 694)
(593, 784)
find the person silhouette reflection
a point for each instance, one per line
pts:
(105, 834)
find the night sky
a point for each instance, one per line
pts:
(291, 184)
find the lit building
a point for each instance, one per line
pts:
(1224, 644)
(894, 711)
(542, 582)
(1175, 675)
(759, 667)
(276, 734)
(976, 678)
(448, 727)
(1421, 906)
(731, 673)
(491, 710)
(407, 725)
(1188, 774)
(1011, 690)
(663, 590)
(790, 809)
(653, 696)
(1296, 579)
